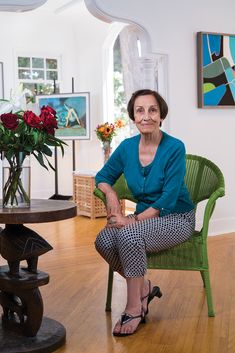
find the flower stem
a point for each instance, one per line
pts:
(13, 190)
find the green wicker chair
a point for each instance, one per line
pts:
(205, 181)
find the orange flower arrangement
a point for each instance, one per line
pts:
(106, 131)
(119, 123)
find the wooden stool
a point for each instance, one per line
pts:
(88, 204)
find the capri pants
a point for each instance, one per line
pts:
(125, 248)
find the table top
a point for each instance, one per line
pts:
(40, 211)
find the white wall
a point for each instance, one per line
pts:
(172, 28)
(89, 37)
(78, 40)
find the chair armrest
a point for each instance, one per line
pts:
(210, 205)
(98, 193)
(121, 189)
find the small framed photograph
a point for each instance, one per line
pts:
(216, 70)
(73, 112)
(1, 81)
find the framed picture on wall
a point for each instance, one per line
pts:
(1, 81)
(216, 70)
(73, 113)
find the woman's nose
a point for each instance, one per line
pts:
(146, 116)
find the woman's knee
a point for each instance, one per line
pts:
(99, 243)
(103, 242)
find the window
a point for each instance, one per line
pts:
(120, 104)
(39, 74)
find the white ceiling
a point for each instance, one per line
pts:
(57, 6)
(22, 5)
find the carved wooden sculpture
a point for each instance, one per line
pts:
(21, 243)
(20, 298)
(21, 302)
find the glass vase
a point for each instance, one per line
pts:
(16, 181)
(107, 149)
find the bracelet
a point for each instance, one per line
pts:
(136, 217)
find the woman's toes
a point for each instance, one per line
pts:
(130, 327)
(117, 327)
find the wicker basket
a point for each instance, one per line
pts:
(87, 204)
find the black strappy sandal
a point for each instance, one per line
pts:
(156, 292)
(125, 318)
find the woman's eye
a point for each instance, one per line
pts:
(139, 110)
(153, 110)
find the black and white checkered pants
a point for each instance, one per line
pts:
(125, 248)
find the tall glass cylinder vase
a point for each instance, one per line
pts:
(107, 149)
(16, 181)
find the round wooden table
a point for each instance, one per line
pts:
(23, 327)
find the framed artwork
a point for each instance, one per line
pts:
(73, 112)
(1, 81)
(216, 70)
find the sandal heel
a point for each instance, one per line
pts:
(156, 292)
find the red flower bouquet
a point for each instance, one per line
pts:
(23, 133)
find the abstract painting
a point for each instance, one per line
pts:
(73, 114)
(216, 70)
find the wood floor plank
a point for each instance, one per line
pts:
(177, 323)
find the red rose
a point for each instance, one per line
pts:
(49, 123)
(48, 117)
(32, 119)
(48, 110)
(10, 121)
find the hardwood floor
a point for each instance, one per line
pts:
(177, 323)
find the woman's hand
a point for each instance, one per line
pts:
(119, 221)
(112, 204)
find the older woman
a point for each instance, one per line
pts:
(153, 163)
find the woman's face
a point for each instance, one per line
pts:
(147, 114)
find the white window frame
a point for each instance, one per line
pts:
(44, 57)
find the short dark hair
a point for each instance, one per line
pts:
(144, 92)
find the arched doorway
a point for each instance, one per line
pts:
(141, 68)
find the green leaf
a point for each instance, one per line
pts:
(28, 148)
(46, 150)
(9, 154)
(51, 166)
(52, 143)
(39, 157)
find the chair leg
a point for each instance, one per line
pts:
(206, 280)
(109, 290)
(203, 279)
